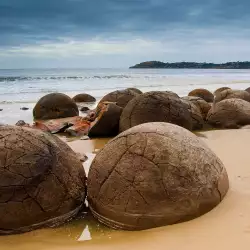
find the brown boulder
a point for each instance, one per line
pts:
(135, 90)
(230, 93)
(155, 106)
(197, 119)
(200, 103)
(153, 175)
(120, 97)
(42, 181)
(107, 120)
(202, 93)
(229, 113)
(217, 91)
(84, 98)
(247, 90)
(55, 105)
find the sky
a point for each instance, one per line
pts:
(121, 33)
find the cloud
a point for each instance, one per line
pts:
(138, 29)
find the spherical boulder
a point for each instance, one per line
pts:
(42, 181)
(107, 120)
(138, 91)
(247, 90)
(229, 113)
(217, 91)
(153, 175)
(155, 106)
(120, 97)
(202, 93)
(230, 93)
(197, 119)
(55, 105)
(84, 98)
(200, 103)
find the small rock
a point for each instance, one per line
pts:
(1, 109)
(82, 157)
(21, 123)
(84, 109)
(24, 108)
(85, 137)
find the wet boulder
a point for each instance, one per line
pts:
(42, 181)
(106, 121)
(202, 93)
(229, 113)
(230, 93)
(155, 106)
(200, 103)
(120, 97)
(84, 98)
(55, 105)
(153, 175)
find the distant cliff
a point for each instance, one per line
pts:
(191, 65)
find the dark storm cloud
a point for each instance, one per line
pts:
(31, 21)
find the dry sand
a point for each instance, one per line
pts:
(225, 227)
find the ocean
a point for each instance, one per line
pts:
(24, 87)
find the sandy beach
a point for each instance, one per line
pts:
(225, 227)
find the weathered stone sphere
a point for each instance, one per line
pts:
(42, 181)
(231, 93)
(120, 97)
(84, 98)
(195, 112)
(153, 175)
(138, 91)
(202, 93)
(55, 105)
(155, 106)
(217, 91)
(107, 120)
(229, 113)
(200, 103)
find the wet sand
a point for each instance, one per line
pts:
(225, 227)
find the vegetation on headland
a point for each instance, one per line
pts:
(191, 65)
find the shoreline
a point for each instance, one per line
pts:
(229, 220)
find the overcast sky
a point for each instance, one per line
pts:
(120, 33)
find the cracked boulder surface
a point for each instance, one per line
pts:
(217, 91)
(84, 98)
(153, 175)
(120, 97)
(202, 93)
(155, 106)
(229, 113)
(107, 120)
(232, 93)
(195, 112)
(200, 103)
(42, 181)
(55, 105)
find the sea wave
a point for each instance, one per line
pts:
(56, 78)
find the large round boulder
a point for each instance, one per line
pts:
(200, 103)
(202, 93)
(229, 113)
(120, 97)
(153, 175)
(42, 181)
(230, 93)
(55, 105)
(155, 106)
(248, 90)
(84, 98)
(107, 120)
(217, 91)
